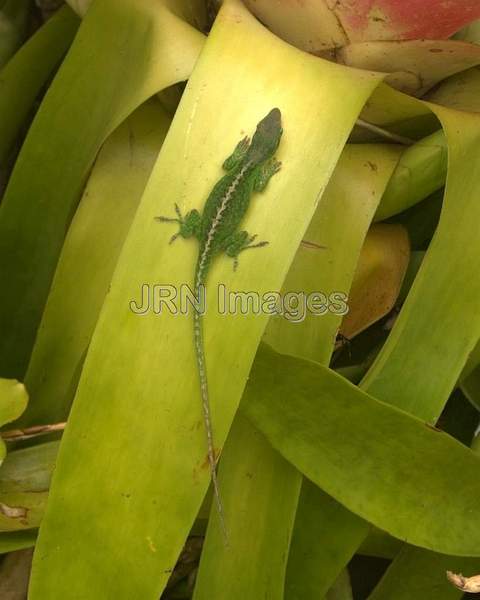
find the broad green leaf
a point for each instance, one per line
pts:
(380, 544)
(244, 484)
(421, 221)
(328, 256)
(301, 407)
(459, 418)
(399, 113)
(326, 536)
(472, 362)
(415, 570)
(17, 540)
(416, 259)
(125, 51)
(79, 6)
(95, 238)
(87, 262)
(29, 468)
(24, 483)
(13, 401)
(446, 390)
(471, 387)
(23, 77)
(439, 324)
(192, 11)
(469, 33)
(156, 485)
(421, 170)
(341, 224)
(341, 589)
(325, 260)
(416, 573)
(459, 92)
(14, 15)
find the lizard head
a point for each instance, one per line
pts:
(266, 138)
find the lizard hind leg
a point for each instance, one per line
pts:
(237, 155)
(238, 242)
(189, 225)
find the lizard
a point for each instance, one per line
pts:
(217, 229)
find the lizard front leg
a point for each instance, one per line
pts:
(237, 155)
(189, 225)
(265, 173)
(238, 242)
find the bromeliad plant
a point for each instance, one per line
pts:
(332, 446)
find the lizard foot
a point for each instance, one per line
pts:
(189, 225)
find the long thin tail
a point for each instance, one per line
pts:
(202, 371)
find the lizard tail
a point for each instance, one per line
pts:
(202, 371)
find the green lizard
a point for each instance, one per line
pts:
(249, 169)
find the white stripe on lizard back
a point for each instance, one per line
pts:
(215, 223)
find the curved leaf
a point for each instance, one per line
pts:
(17, 540)
(23, 77)
(13, 401)
(418, 573)
(24, 484)
(14, 16)
(365, 454)
(156, 485)
(415, 66)
(124, 53)
(87, 262)
(421, 170)
(325, 260)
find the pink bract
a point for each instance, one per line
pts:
(404, 19)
